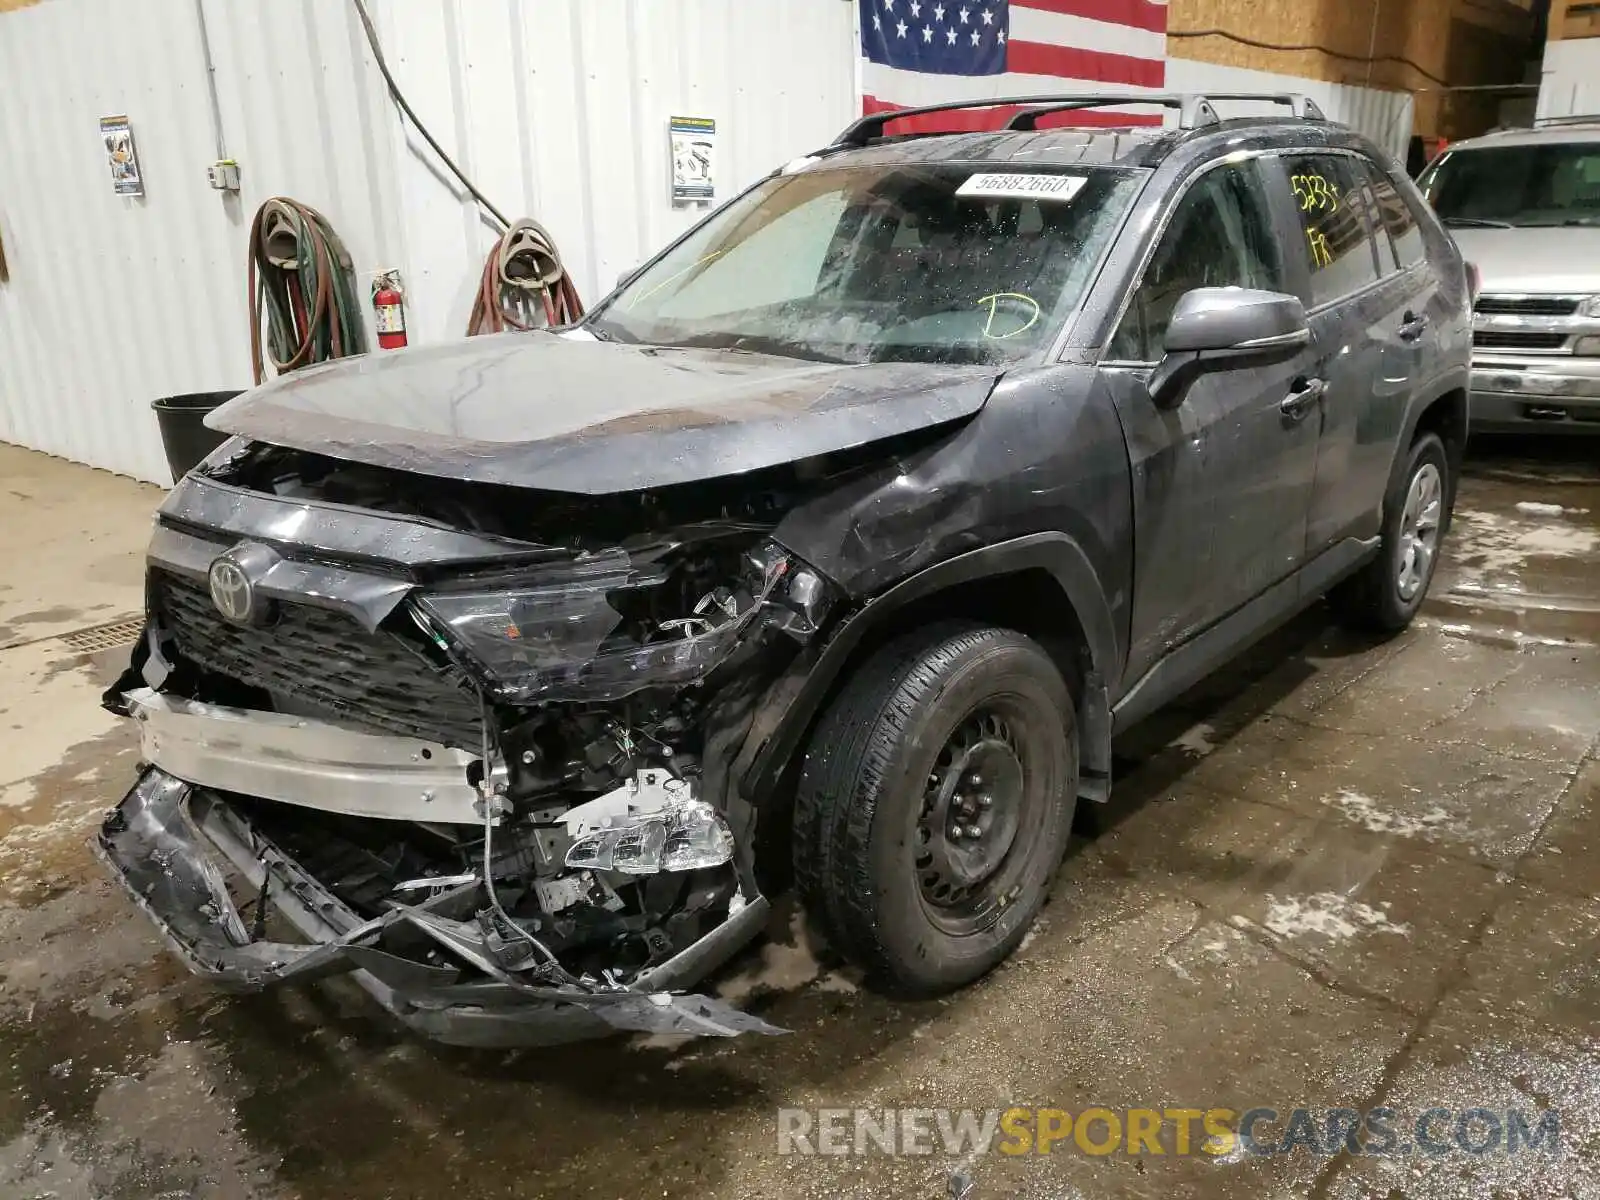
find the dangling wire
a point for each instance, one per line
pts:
(490, 804)
(524, 284)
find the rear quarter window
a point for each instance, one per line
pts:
(1398, 219)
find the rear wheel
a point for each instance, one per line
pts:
(934, 805)
(1389, 590)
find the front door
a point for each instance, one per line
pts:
(1222, 481)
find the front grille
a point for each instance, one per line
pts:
(324, 662)
(1512, 339)
(1528, 306)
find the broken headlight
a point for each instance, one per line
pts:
(685, 836)
(558, 638)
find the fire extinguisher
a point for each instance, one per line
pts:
(389, 306)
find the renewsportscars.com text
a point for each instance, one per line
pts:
(1215, 1132)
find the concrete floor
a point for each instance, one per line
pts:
(1342, 874)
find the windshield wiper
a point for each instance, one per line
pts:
(755, 344)
(1569, 222)
(1476, 223)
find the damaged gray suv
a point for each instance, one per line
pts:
(511, 677)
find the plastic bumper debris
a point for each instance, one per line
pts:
(172, 846)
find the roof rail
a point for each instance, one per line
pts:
(1195, 109)
(1300, 106)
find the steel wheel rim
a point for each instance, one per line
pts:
(964, 877)
(1420, 522)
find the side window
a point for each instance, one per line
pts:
(1398, 219)
(1219, 236)
(1338, 244)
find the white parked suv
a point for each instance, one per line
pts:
(1524, 206)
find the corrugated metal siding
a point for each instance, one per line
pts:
(1384, 116)
(560, 111)
(557, 110)
(1570, 83)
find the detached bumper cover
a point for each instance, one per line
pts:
(169, 845)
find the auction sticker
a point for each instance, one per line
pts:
(1025, 186)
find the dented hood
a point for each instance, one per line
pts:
(545, 411)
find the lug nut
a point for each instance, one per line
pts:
(956, 833)
(974, 780)
(529, 758)
(985, 800)
(974, 832)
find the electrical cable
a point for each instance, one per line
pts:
(552, 964)
(301, 280)
(523, 279)
(405, 107)
(1339, 54)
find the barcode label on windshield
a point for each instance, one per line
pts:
(1032, 187)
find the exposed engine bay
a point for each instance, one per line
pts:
(500, 758)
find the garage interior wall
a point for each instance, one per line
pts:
(1570, 83)
(557, 110)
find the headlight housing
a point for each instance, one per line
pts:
(687, 835)
(557, 636)
(1589, 307)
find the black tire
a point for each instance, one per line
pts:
(900, 750)
(1373, 599)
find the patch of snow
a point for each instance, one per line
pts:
(836, 981)
(1364, 811)
(1329, 915)
(1487, 543)
(1196, 740)
(1539, 508)
(782, 968)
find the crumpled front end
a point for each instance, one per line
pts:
(403, 736)
(184, 854)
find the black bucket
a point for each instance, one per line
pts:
(184, 435)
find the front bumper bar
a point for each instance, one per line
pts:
(296, 760)
(170, 844)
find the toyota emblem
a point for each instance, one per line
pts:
(232, 580)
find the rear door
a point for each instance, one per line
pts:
(1354, 298)
(1222, 480)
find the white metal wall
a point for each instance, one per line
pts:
(1570, 84)
(1384, 116)
(558, 110)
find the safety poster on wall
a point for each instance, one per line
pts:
(694, 144)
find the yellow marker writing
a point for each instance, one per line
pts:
(993, 301)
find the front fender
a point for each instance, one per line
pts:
(795, 700)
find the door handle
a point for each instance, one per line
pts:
(1303, 398)
(1413, 327)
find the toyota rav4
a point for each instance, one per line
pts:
(511, 676)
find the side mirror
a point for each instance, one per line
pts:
(1216, 328)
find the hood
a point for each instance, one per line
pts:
(538, 410)
(1540, 259)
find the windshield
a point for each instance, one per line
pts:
(1551, 183)
(918, 263)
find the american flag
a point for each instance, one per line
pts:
(933, 51)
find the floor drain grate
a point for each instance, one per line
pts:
(105, 637)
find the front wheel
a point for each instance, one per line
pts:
(934, 805)
(1389, 590)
